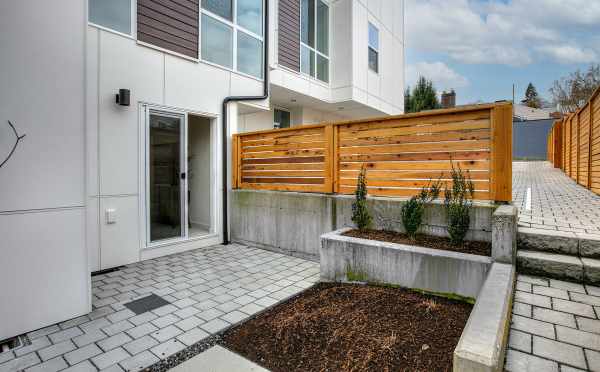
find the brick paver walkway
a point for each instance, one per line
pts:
(556, 201)
(209, 289)
(555, 326)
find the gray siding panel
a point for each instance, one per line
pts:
(529, 139)
(169, 24)
(289, 34)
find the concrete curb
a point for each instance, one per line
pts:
(345, 258)
(561, 242)
(482, 345)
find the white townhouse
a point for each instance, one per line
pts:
(127, 108)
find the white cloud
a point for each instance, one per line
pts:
(443, 77)
(569, 54)
(517, 32)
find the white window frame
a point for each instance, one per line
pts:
(144, 227)
(236, 28)
(326, 2)
(369, 46)
(133, 20)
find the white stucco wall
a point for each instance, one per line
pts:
(43, 262)
(385, 90)
(350, 77)
(115, 156)
(263, 120)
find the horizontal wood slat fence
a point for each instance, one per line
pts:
(574, 144)
(401, 153)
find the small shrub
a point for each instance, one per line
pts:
(360, 213)
(412, 211)
(458, 202)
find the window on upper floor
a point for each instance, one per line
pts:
(281, 119)
(232, 34)
(373, 48)
(314, 39)
(112, 14)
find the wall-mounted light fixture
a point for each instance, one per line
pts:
(123, 97)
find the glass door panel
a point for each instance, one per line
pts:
(165, 154)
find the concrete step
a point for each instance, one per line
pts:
(559, 242)
(559, 266)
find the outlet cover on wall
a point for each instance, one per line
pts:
(111, 216)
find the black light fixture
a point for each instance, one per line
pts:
(123, 97)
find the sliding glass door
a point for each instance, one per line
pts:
(166, 171)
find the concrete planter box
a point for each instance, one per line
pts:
(345, 258)
(483, 341)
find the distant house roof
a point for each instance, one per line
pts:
(525, 113)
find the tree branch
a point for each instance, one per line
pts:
(18, 139)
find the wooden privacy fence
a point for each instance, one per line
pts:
(574, 144)
(401, 153)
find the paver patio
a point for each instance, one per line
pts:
(556, 201)
(555, 326)
(209, 289)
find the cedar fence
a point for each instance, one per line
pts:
(401, 153)
(574, 144)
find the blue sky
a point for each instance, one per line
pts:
(482, 47)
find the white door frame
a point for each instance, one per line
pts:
(144, 111)
(182, 169)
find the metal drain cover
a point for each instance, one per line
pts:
(147, 303)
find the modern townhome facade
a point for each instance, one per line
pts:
(121, 104)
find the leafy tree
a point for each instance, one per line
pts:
(407, 100)
(571, 92)
(412, 210)
(360, 213)
(532, 98)
(423, 97)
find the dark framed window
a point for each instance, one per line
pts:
(281, 119)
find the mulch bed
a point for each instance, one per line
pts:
(348, 327)
(428, 241)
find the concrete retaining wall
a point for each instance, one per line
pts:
(285, 222)
(345, 258)
(482, 345)
(292, 223)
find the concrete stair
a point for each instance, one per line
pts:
(560, 255)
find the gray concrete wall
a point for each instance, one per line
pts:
(482, 345)
(344, 258)
(292, 223)
(286, 222)
(386, 216)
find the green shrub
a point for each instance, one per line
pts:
(360, 213)
(412, 211)
(458, 202)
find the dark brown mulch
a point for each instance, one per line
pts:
(428, 241)
(345, 327)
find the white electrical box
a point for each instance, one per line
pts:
(111, 216)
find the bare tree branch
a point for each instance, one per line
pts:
(17, 140)
(572, 92)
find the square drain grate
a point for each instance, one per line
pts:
(147, 303)
(14, 343)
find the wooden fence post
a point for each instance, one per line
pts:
(235, 161)
(501, 156)
(336, 159)
(329, 158)
(578, 148)
(590, 139)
